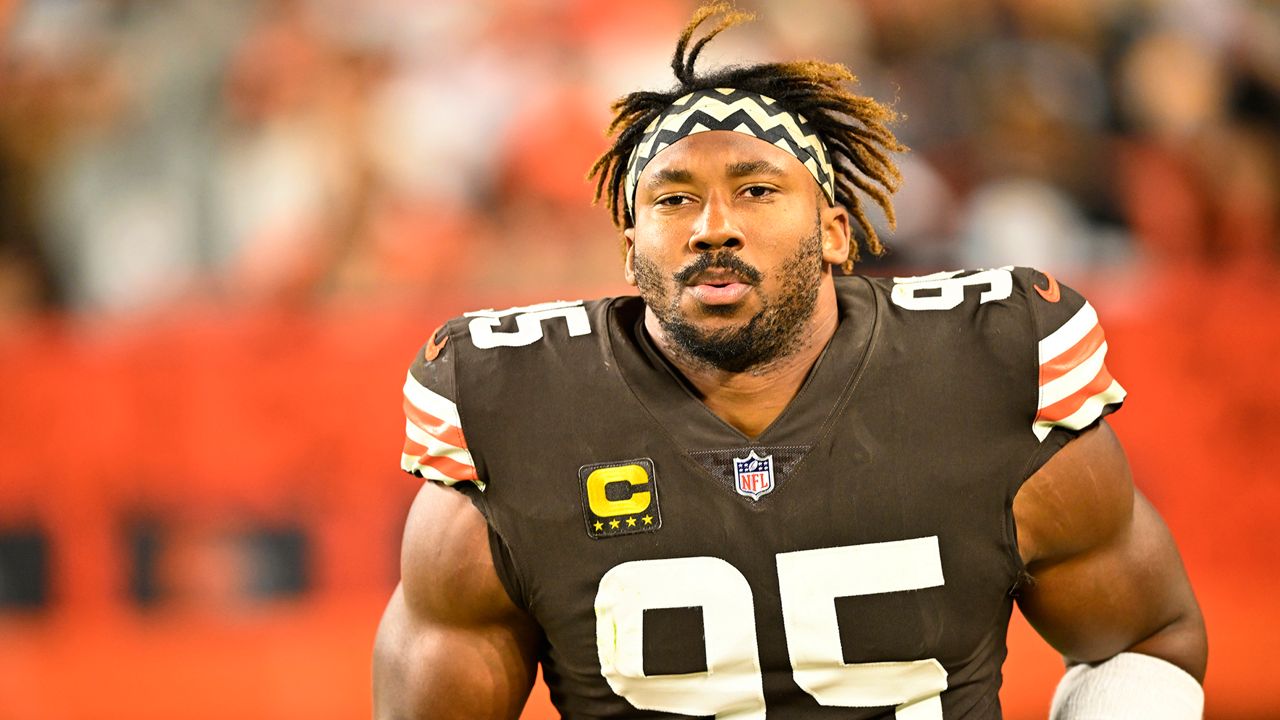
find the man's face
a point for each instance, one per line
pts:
(731, 247)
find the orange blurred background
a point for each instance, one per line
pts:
(226, 226)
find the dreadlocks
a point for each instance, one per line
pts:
(853, 128)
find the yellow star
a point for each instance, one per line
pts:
(631, 522)
(599, 526)
(613, 524)
(648, 519)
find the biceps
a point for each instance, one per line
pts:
(434, 671)
(1129, 594)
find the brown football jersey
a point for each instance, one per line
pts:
(856, 560)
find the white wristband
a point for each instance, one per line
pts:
(1129, 686)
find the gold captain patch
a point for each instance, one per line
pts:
(620, 498)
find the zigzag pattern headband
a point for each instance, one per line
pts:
(739, 111)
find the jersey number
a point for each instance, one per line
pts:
(732, 685)
(528, 324)
(943, 291)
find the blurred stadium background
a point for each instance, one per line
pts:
(227, 225)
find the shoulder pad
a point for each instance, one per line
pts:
(1075, 387)
(435, 447)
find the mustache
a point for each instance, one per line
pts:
(726, 260)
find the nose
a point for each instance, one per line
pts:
(716, 228)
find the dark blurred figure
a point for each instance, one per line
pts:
(46, 93)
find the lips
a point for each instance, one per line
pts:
(718, 287)
(720, 294)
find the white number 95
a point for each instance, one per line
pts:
(732, 686)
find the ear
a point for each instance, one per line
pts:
(629, 262)
(837, 237)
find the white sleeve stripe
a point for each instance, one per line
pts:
(1074, 379)
(436, 448)
(432, 403)
(1070, 333)
(1089, 411)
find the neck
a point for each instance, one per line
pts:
(752, 399)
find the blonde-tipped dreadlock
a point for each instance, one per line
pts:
(854, 128)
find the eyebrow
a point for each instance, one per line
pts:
(753, 167)
(669, 175)
(733, 170)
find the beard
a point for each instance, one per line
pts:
(774, 332)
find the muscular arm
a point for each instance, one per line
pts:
(451, 643)
(1107, 576)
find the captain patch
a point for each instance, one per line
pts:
(620, 498)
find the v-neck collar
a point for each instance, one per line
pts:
(827, 389)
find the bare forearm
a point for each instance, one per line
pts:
(1107, 577)
(1143, 603)
(444, 673)
(1183, 643)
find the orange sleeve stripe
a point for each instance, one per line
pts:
(1064, 363)
(433, 426)
(1068, 405)
(451, 468)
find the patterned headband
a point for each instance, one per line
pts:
(739, 111)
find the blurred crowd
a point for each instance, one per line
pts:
(297, 151)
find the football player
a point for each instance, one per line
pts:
(765, 489)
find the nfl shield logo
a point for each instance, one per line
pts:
(753, 475)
